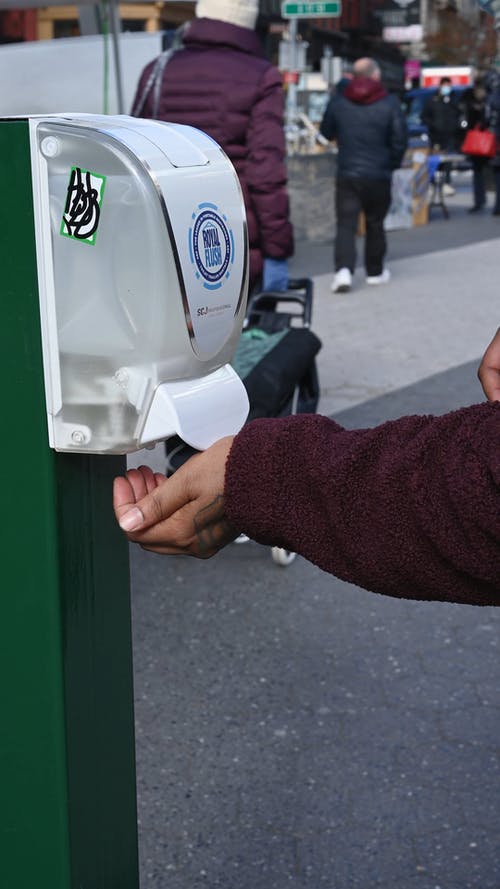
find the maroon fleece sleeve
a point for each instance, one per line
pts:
(410, 508)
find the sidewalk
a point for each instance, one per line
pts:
(439, 310)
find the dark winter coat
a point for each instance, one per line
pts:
(473, 110)
(410, 508)
(493, 117)
(441, 116)
(370, 130)
(220, 82)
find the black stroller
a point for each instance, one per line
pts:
(276, 360)
(276, 354)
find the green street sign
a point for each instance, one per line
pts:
(311, 10)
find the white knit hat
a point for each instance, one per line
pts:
(237, 12)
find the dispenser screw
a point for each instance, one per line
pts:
(50, 146)
(122, 378)
(78, 437)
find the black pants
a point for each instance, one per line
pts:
(496, 208)
(373, 196)
(479, 165)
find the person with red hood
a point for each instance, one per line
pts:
(370, 130)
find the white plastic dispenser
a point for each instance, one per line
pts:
(143, 266)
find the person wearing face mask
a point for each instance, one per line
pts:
(441, 116)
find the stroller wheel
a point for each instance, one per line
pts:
(282, 557)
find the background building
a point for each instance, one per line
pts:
(357, 31)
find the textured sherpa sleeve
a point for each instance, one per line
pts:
(410, 508)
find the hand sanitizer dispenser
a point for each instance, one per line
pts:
(143, 266)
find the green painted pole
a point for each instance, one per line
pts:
(67, 765)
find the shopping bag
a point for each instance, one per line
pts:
(480, 143)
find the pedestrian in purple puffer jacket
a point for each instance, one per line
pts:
(220, 82)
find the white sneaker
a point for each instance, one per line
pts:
(448, 190)
(342, 281)
(379, 279)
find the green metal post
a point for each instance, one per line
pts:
(67, 765)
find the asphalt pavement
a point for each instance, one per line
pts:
(293, 730)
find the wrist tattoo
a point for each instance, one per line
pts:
(212, 527)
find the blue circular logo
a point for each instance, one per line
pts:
(211, 243)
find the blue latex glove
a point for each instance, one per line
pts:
(275, 274)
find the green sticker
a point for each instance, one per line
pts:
(83, 205)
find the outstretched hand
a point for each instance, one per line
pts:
(183, 514)
(489, 369)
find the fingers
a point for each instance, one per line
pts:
(489, 377)
(129, 490)
(153, 498)
(489, 369)
(181, 514)
(491, 386)
(142, 481)
(123, 495)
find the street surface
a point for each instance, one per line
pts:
(293, 730)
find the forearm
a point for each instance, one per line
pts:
(410, 508)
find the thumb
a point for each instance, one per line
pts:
(138, 514)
